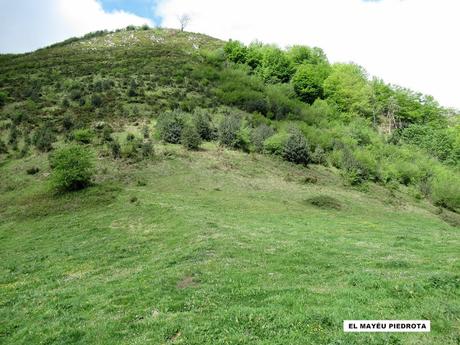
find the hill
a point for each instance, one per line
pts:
(314, 195)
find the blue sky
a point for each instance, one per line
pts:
(142, 8)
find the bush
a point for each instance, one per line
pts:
(147, 150)
(203, 125)
(170, 126)
(32, 171)
(44, 138)
(3, 99)
(259, 135)
(96, 101)
(191, 139)
(275, 143)
(318, 156)
(231, 133)
(83, 136)
(325, 201)
(72, 168)
(3, 148)
(446, 190)
(296, 149)
(116, 149)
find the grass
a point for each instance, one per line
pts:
(218, 247)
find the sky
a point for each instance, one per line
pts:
(412, 43)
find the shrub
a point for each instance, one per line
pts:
(259, 135)
(3, 147)
(325, 201)
(190, 138)
(296, 149)
(146, 132)
(96, 101)
(170, 125)
(13, 136)
(83, 136)
(231, 133)
(203, 124)
(44, 138)
(3, 99)
(147, 149)
(275, 143)
(32, 171)
(318, 156)
(116, 149)
(446, 190)
(67, 122)
(72, 168)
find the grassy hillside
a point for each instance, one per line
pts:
(218, 247)
(223, 239)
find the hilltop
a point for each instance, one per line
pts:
(238, 195)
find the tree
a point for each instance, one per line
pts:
(191, 138)
(296, 148)
(275, 67)
(72, 168)
(184, 20)
(347, 86)
(308, 81)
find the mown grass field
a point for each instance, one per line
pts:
(218, 247)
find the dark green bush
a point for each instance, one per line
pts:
(3, 147)
(147, 150)
(44, 138)
(296, 148)
(72, 168)
(191, 139)
(259, 135)
(170, 126)
(3, 98)
(203, 124)
(96, 101)
(231, 133)
(32, 171)
(83, 135)
(116, 149)
(325, 202)
(446, 190)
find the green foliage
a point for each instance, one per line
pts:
(3, 98)
(3, 147)
(235, 51)
(308, 81)
(44, 138)
(259, 135)
(275, 144)
(437, 141)
(203, 124)
(83, 135)
(348, 88)
(147, 149)
(296, 148)
(96, 101)
(232, 134)
(446, 190)
(325, 202)
(275, 66)
(170, 125)
(191, 138)
(300, 55)
(72, 168)
(115, 148)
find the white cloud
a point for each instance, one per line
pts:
(26, 25)
(413, 43)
